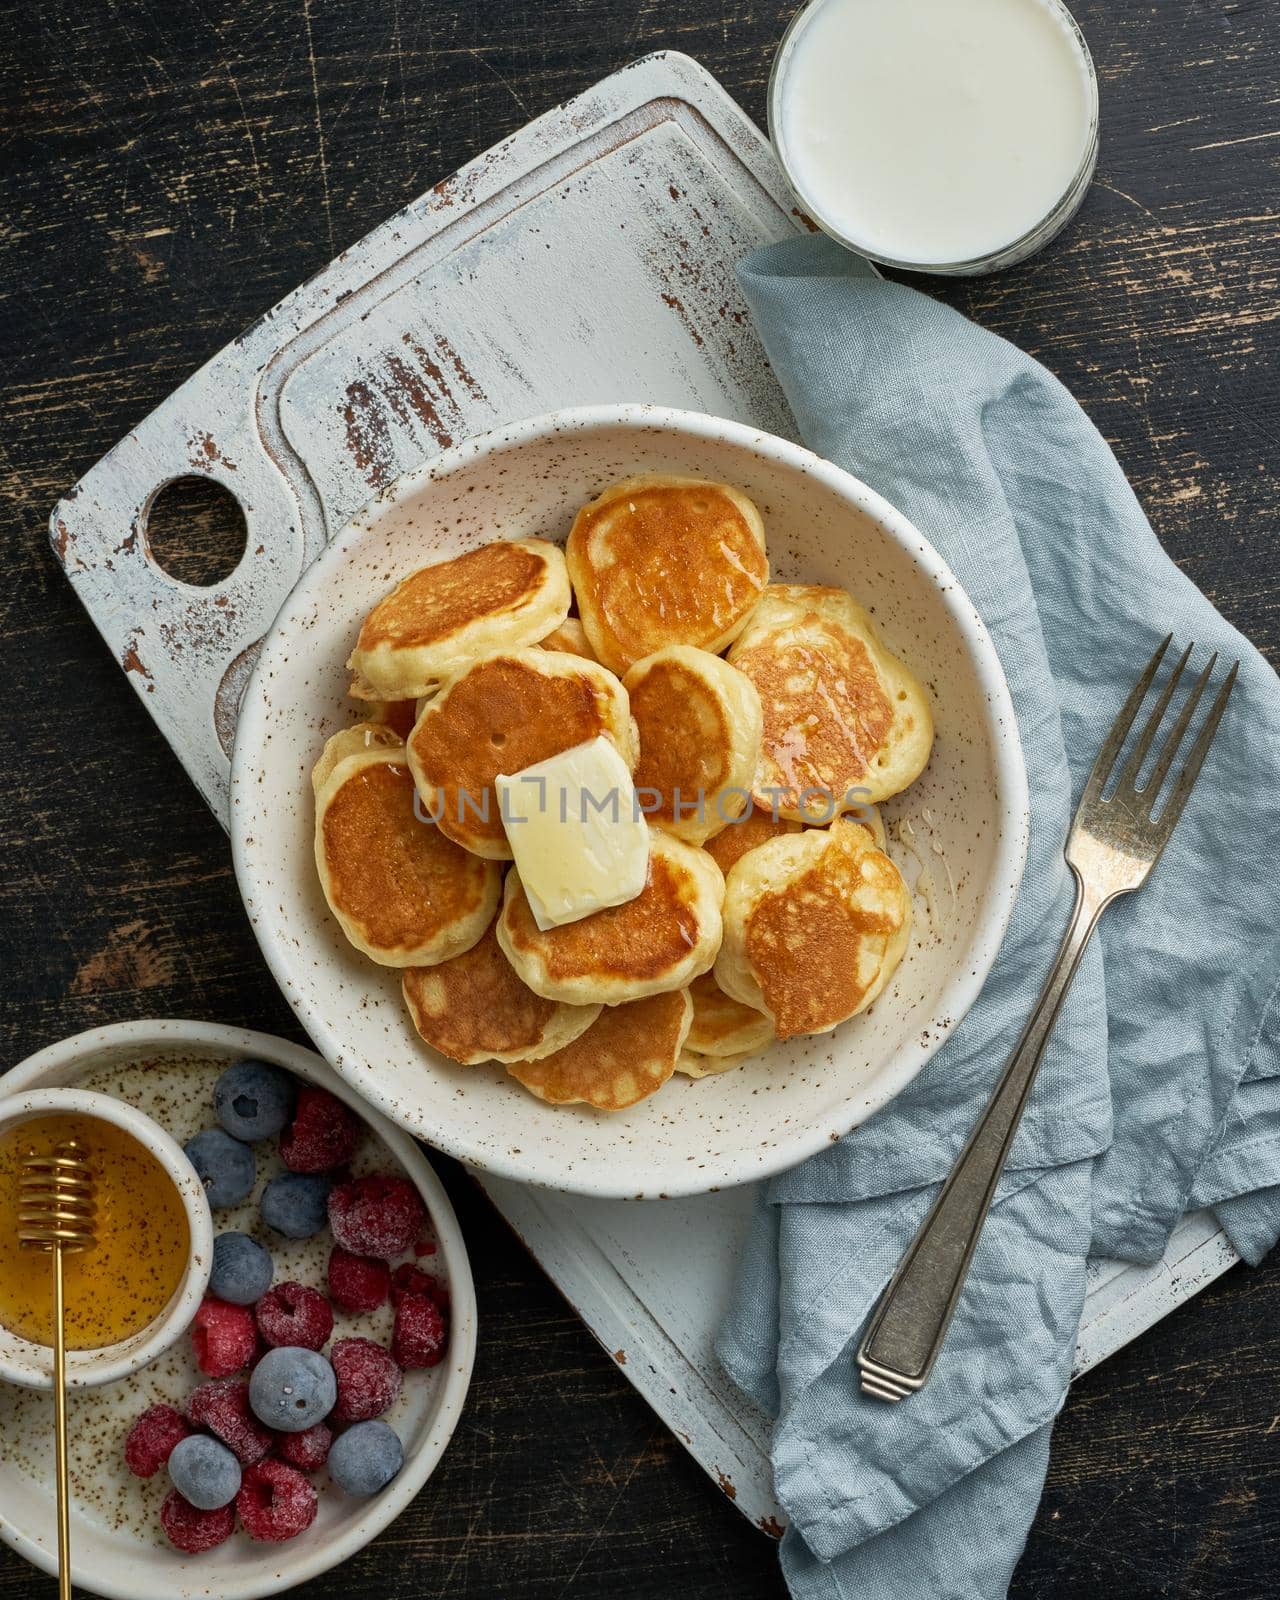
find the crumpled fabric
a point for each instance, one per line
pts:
(1160, 1090)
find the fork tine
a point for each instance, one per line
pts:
(1114, 742)
(1185, 782)
(1150, 790)
(1132, 767)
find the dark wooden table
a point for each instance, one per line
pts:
(170, 169)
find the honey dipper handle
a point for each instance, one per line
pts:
(60, 1429)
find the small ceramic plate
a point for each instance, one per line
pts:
(118, 1549)
(959, 832)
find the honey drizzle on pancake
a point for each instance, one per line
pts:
(825, 713)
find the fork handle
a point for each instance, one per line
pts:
(906, 1332)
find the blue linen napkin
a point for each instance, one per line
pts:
(1160, 1091)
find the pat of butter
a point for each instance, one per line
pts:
(579, 840)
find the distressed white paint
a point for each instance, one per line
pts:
(522, 263)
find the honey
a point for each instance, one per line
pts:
(142, 1242)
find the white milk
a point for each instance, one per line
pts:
(933, 132)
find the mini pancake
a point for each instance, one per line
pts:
(695, 1065)
(570, 637)
(667, 935)
(503, 596)
(869, 817)
(401, 891)
(745, 833)
(500, 716)
(700, 723)
(474, 1008)
(353, 741)
(723, 1026)
(815, 924)
(627, 1054)
(840, 713)
(398, 715)
(664, 560)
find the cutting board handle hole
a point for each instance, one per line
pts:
(196, 531)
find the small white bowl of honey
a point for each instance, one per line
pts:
(135, 1292)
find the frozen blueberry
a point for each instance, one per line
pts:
(365, 1458)
(204, 1472)
(253, 1100)
(242, 1269)
(292, 1389)
(296, 1204)
(224, 1165)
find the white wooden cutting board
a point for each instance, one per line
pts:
(588, 258)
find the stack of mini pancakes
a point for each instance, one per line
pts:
(761, 724)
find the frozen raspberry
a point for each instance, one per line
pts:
(418, 1339)
(376, 1216)
(275, 1502)
(223, 1408)
(292, 1313)
(151, 1439)
(308, 1450)
(368, 1380)
(426, 1246)
(194, 1531)
(324, 1133)
(223, 1336)
(408, 1279)
(356, 1283)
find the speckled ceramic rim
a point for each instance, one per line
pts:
(283, 1566)
(430, 1118)
(31, 1365)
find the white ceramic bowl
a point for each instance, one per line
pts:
(30, 1364)
(967, 815)
(117, 1549)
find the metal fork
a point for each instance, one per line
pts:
(1114, 843)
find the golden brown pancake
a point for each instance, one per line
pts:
(363, 691)
(401, 891)
(868, 816)
(503, 596)
(353, 741)
(500, 716)
(843, 719)
(699, 723)
(723, 1026)
(693, 1064)
(814, 925)
(745, 834)
(665, 560)
(474, 1008)
(660, 940)
(570, 637)
(398, 715)
(628, 1053)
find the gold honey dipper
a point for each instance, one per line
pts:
(56, 1214)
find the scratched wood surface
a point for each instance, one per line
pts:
(170, 168)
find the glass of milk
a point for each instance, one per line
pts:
(951, 136)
